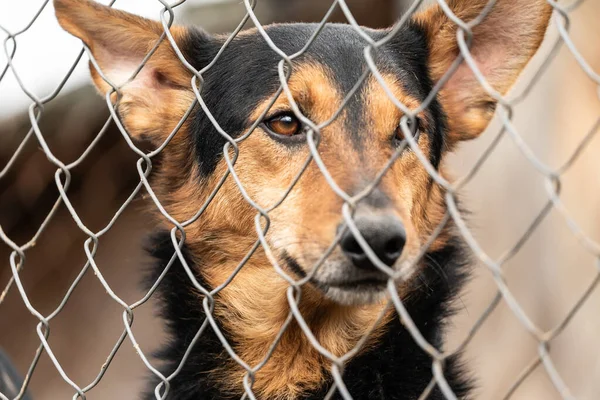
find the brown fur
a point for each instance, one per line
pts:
(163, 83)
(502, 45)
(253, 307)
(423, 201)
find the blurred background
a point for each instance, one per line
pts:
(547, 276)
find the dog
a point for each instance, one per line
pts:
(346, 297)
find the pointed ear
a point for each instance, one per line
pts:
(503, 43)
(119, 43)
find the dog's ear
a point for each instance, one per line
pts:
(119, 42)
(502, 45)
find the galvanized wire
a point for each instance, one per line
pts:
(552, 176)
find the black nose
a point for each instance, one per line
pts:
(385, 235)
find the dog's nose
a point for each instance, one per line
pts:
(385, 235)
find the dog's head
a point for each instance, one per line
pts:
(355, 144)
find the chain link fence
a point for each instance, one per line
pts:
(17, 261)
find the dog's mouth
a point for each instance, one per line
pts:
(345, 284)
(355, 292)
(356, 284)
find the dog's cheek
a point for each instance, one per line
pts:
(288, 234)
(264, 170)
(406, 184)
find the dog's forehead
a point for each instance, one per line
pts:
(245, 75)
(250, 61)
(338, 47)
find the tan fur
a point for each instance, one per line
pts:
(421, 203)
(115, 37)
(253, 307)
(502, 45)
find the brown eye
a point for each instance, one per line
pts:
(284, 124)
(414, 125)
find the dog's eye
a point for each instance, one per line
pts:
(414, 125)
(284, 124)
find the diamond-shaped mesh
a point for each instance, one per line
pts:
(552, 176)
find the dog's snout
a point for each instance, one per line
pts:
(385, 234)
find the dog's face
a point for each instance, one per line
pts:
(395, 216)
(355, 145)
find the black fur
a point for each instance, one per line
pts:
(244, 76)
(396, 369)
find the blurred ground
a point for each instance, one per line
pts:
(547, 276)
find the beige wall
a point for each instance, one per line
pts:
(552, 270)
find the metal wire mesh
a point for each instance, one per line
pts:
(544, 338)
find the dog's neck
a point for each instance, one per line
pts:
(254, 307)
